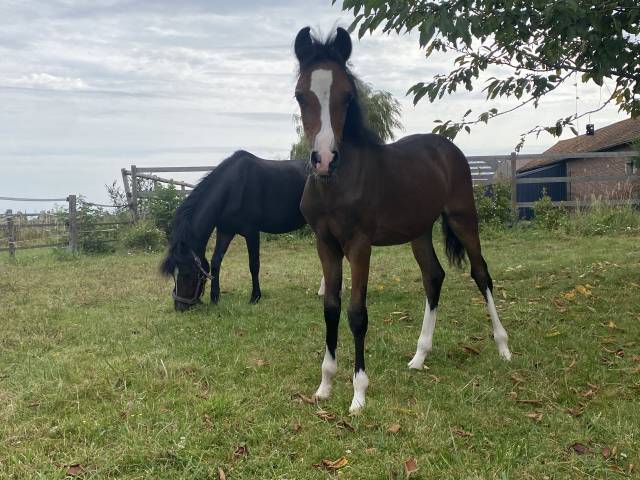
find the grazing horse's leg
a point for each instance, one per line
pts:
(432, 278)
(222, 244)
(465, 227)
(253, 247)
(331, 257)
(359, 255)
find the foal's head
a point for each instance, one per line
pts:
(326, 93)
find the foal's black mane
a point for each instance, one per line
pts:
(355, 129)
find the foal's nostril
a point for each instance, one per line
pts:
(314, 158)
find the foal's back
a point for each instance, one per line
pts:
(417, 178)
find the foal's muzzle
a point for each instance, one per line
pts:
(324, 168)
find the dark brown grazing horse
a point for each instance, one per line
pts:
(363, 193)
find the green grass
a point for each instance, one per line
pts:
(97, 369)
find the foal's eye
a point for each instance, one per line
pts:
(300, 99)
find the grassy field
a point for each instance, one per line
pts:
(100, 378)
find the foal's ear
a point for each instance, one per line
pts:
(342, 43)
(303, 44)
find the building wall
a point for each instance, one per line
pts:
(595, 167)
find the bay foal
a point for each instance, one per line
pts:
(363, 193)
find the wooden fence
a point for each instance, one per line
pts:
(485, 169)
(506, 171)
(56, 229)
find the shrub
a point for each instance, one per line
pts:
(546, 214)
(91, 237)
(144, 236)
(603, 219)
(493, 203)
(161, 208)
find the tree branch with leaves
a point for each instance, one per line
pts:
(539, 43)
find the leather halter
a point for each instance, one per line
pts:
(202, 276)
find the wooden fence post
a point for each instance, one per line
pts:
(514, 189)
(127, 191)
(11, 231)
(73, 223)
(134, 192)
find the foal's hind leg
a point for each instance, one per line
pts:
(253, 247)
(432, 278)
(465, 227)
(222, 244)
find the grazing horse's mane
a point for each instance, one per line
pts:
(355, 130)
(181, 242)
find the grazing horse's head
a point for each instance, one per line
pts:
(326, 93)
(190, 274)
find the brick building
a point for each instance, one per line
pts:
(616, 137)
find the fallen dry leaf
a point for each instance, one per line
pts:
(588, 393)
(206, 419)
(325, 415)
(536, 416)
(470, 349)
(570, 366)
(296, 427)
(606, 452)
(221, 475)
(304, 399)
(395, 428)
(75, 470)
(370, 451)
(410, 466)
(579, 448)
(461, 433)
(584, 290)
(577, 410)
(345, 425)
(240, 451)
(332, 465)
(530, 402)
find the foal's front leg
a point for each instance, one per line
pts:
(331, 258)
(359, 255)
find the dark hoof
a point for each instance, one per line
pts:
(255, 298)
(215, 299)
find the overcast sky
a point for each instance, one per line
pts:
(89, 87)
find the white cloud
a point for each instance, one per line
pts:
(94, 86)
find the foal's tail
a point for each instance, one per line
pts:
(453, 246)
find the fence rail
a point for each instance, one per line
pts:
(485, 169)
(69, 223)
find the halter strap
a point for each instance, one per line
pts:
(202, 276)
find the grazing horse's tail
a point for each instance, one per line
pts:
(453, 246)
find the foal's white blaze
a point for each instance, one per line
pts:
(425, 341)
(360, 384)
(329, 369)
(499, 333)
(325, 142)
